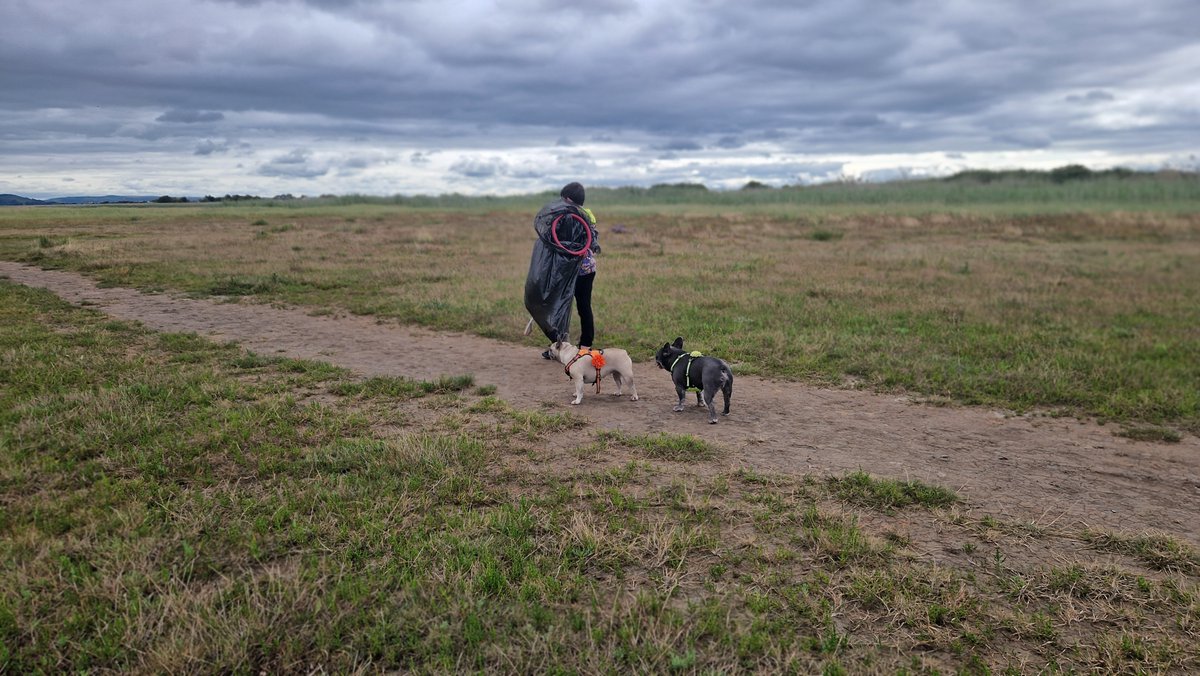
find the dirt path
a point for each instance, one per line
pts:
(1058, 471)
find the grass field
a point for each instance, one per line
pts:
(1075, 299)
(175, 505)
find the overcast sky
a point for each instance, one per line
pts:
(511, 96)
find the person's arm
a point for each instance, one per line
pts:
(595, 231)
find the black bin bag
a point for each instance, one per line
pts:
(564, 237)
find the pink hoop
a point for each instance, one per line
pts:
(586, 228)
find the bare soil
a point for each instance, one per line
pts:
(1049, 471)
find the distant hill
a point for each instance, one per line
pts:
(102, 199)
(16, 200)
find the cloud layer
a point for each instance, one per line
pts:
(503, 96)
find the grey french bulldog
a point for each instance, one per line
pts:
(693, 371)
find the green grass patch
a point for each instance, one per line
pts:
(664, 446)
(536, 424)
(403, 388)
(173, 505)
(1150, 433)
(888, 495)
(1158, 550)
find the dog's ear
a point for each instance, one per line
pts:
(660, 357)
(678, 342)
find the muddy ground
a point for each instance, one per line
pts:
(1051, 471)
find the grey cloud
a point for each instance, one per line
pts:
(584, 8)
(1024, 139)
(1096, 95)
(190, 116)
(356, 164)
(679, 145)
(208, 147)
(297, 156)
(672, 79)
(859, 120)
(479, 168)
(527, 173)
(291, 171)
(294, 164)
(319, 4)
(656, 85)
(145, 132)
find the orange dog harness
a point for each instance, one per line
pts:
(597, 361)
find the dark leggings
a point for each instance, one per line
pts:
(583, 303)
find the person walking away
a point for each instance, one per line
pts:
(574, 193)
(563, 257)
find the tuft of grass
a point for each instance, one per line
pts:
(1158, 550)
(535, 424)
(1150, 433)
(664, 446)
(251, 360)
(239, 286)
(887, 495)
(838, 539)
(403, 388)
(489, 403)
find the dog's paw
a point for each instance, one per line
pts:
(633, 398)
(577, 402)
(712, 421)
(677, 409)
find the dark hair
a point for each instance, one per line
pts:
(574, 192)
